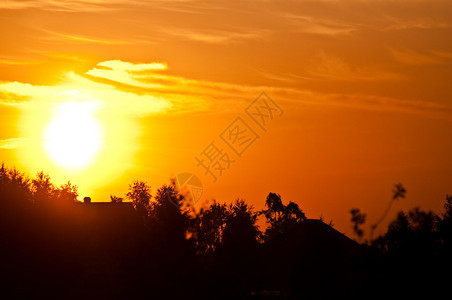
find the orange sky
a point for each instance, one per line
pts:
(364, 86)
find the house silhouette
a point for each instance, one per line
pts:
(311, 260)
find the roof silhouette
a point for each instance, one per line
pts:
(308, 256)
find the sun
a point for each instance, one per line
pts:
(73, 137)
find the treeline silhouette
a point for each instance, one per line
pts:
(156, 246)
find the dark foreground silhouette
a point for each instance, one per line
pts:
(157, 247)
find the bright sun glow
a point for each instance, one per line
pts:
(73, 137)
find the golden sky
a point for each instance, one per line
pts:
(104, 92)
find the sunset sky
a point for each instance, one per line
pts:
(106, 92)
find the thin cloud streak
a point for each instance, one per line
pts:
(12, 143)
(56, 36)
(313, 25)
(119, 88)
(410, 57)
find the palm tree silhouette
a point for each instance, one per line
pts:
(398, 192)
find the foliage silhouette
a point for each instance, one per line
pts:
(397, 193)
(56, 246)
(357, 219)
(169, 217)
(208, 227)
(140, 195)
(240, 230)
(116, 199)
(279, 216)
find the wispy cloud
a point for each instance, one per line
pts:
(214, 36)
(119, 65)
(62, 56)
(65, 5)
(314, 25)
(77, 88)
(12, 143)
(330, 67)
(278, 76)
(182, 6)
(127, 73)
(221, 97)
(57, 36)
(410, 57)
(141, 89)
(442, 54)
(17, 62)
(394, 23)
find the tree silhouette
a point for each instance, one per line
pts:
(279, 216)
(274, 207)
(43, 188)
(47, 194)
(445, 225)
(357, 219)
(140, 194)
(67, 192)
(115, 199)
(240, 228)
(208, 226)
(412, 233)
(15, 193)
(398, 192)
(166, 249)
(170, 218)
